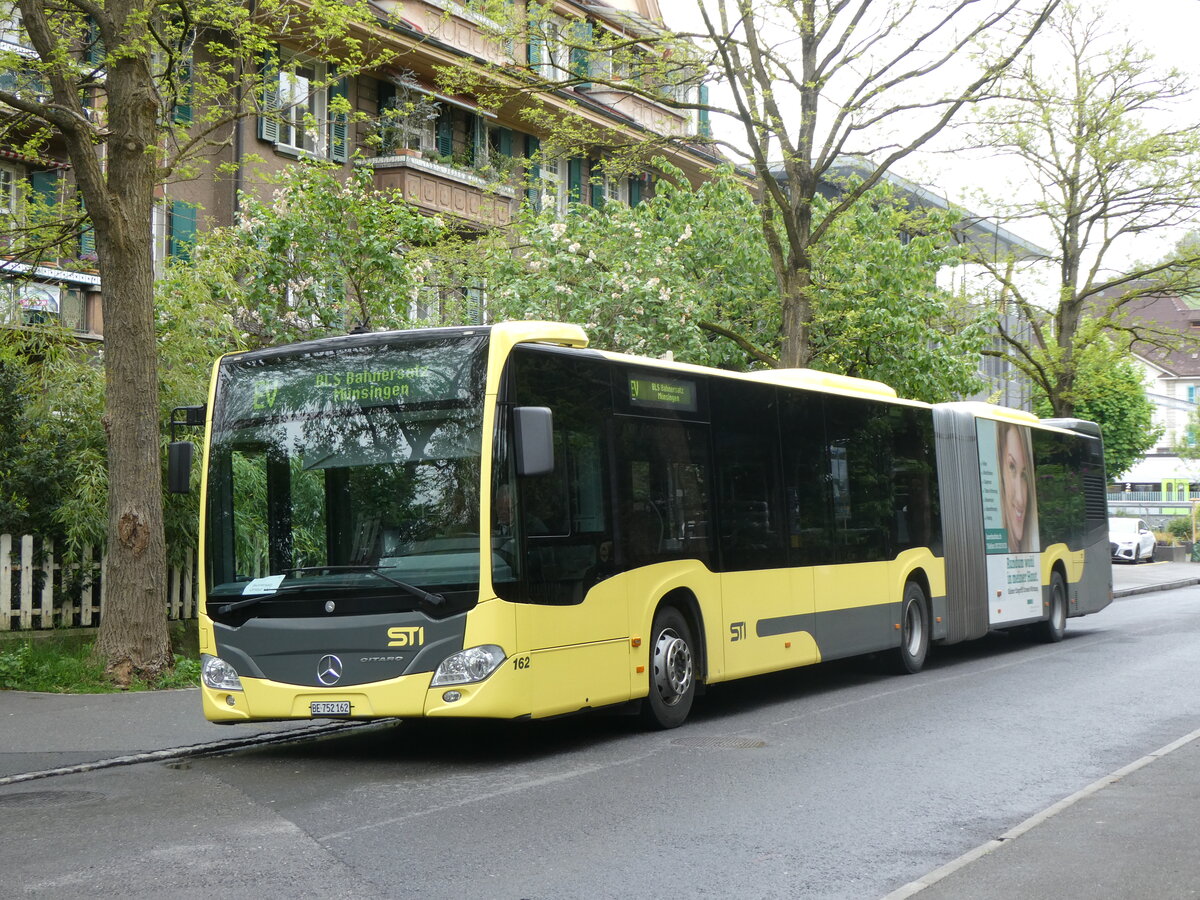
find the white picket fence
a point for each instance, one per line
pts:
(37, 591)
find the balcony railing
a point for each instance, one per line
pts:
(443, 189)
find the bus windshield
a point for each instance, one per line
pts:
(347, 469)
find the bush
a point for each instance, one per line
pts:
(1180, 529)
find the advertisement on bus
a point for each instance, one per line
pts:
(1010, 521)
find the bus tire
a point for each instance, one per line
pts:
(1052, 629)
(910, 656)
(672, 670)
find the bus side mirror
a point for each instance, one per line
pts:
(533, 433)
(179, 466)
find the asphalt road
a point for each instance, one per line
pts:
(837, 781)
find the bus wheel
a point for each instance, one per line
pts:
(672, 671)
(1052, 629)
(914, 630)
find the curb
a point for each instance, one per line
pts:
(195, 750)
(1153, 588)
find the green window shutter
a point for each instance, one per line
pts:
(506, 136)
(595, 186)
(702, 121)
(536, 51)
(533, 193)
(339, 123)
(45, 185)
(581, 34)
(268, 122)
(181, 229)
(474, 306)
(183, 108)
(478, 132)
(95, 46)
(445, 131)
(574, 180)
(635, 190)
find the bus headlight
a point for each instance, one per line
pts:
(466, 666)
(218, 674)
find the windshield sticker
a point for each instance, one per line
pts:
(268, 585)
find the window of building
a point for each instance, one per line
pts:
(549, 52)
(10, 178)
(302, 102)
(12, 27)
(554, 185)
(304, 108)
(615, 189)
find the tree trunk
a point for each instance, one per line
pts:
(133, 637)
(796, 349)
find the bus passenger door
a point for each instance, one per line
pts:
(767, 605)
(572, 618)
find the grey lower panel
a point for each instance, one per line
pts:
(1094, 589)
(291, 650)
(847, 632)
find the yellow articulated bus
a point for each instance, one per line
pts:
(499, 522)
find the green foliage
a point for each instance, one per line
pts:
(65, 665)
(1180, 529)
(641, 279)
(681, 273)
(1108, 390)
(878, 312)
(1103, 139)
(50, 434)
(320, 257)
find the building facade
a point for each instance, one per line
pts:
(449, 154)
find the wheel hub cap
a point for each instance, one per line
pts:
(672, 667)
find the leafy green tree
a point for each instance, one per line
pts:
(1108, 390)
(1106, 140)
(107, 82)
(321, 256)
(810, 83)
(681, 273)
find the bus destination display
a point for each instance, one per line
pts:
(662, 393)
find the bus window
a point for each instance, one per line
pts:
(562, 515)
(746, 438)
(663, 494)
(807, 481)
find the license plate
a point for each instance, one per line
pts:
(329, 708)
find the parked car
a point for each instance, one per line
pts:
(1131, 540)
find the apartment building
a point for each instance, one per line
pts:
(448, 153)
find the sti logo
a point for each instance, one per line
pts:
(406, 637)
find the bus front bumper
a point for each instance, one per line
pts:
(503, 695)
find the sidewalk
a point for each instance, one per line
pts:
(43, 733)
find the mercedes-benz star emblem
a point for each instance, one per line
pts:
(329, 670)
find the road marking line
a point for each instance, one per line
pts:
(915, 887)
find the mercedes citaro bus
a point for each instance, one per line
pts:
(500, 522)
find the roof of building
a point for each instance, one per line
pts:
(1169, 316)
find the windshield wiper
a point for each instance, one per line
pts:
(426, 596)
(258, 598)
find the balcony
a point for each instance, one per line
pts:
(650, 115)
(451, 23)
(445, 190)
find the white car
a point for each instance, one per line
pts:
(1131, 540)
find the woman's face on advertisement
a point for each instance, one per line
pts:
(1016, 483)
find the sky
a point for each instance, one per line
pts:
(1167, 28)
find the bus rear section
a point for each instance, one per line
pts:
(1029, 548)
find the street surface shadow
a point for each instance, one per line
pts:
(467, 743)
